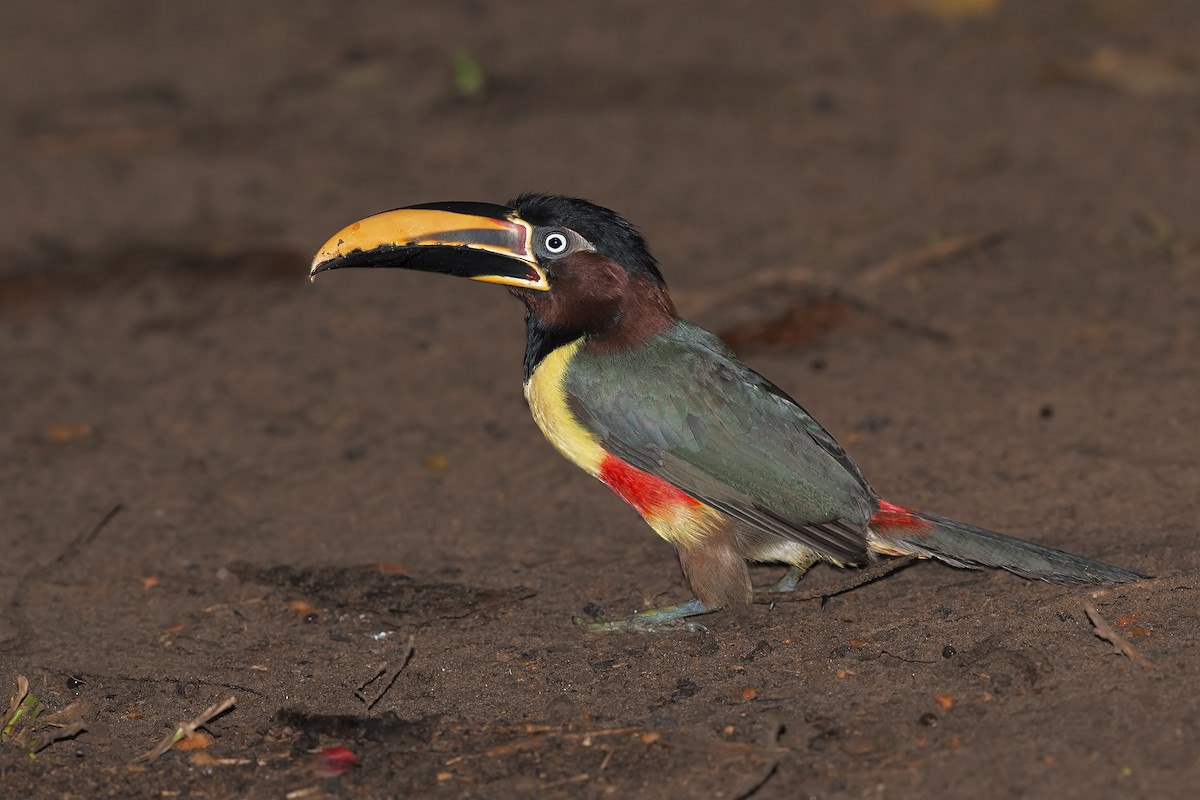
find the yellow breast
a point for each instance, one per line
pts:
(673, 515)
(548, 401)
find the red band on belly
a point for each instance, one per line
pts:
(641, 490)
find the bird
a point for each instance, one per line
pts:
(719, 461)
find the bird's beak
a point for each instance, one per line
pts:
(480, 241)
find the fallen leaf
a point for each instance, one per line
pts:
(197, 741)
(303, 609)
(67, 432)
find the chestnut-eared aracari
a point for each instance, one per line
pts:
(719, 461)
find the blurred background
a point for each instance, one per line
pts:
(962, 232)
(809, 132)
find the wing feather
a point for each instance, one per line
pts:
(685, 410)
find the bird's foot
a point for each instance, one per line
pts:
(635, 624)
(664, 619)
(788, 583)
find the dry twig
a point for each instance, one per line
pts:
(404, 657)
(16, 602)
(185, 730)
(1107, 633)
(944, 251)
(771, 749)
(25, 725)
(939, 252)
(861, 578)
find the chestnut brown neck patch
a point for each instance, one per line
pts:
(645, 311)
(593, 297)
(600, 299)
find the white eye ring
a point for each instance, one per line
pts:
(556, 243)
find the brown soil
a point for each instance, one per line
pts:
(968, 243)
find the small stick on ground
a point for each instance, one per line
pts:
(26, 725)
(59, 733)
(59, 726)
(700, 301)
(861, 578)
(941, 252)
(185, 730)
(580, 778)
(404, 657)
(15, 610)
(1120, 643)
(772, 749)
(80, 542)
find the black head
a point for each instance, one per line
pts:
(610, 234)
(603, 283)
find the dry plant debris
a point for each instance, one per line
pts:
(1108, 633)
(400, 664)
(25, 726)
(186, 730)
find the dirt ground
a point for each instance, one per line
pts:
(964, 233)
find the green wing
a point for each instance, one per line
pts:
(684, 409)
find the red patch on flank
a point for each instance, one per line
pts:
(641, 490)
(893, 516)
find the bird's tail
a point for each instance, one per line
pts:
(898, 531)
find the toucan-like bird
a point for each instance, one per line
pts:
(719, 461)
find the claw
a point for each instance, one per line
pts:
(636, 624)
(789, 581)
(664, 619)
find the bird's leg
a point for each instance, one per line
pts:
(664, 619)
(790, 579)
(716, 571)
(785, 584)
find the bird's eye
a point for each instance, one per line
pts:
(556, 243)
